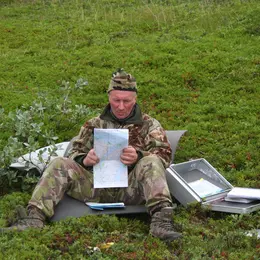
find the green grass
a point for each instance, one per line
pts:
(197, 65)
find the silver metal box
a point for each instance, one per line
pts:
(198, 181)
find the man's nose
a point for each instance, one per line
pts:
(121, 105)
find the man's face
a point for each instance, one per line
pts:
(122, 102)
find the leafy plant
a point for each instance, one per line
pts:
(31, 130)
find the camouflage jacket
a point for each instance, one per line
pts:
(146, 135)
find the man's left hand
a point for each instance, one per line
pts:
(129, 156)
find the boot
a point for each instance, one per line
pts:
(34, 219)
(162, 225)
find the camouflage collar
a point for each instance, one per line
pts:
(135, 116)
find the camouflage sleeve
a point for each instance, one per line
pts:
(83, 143)
(156, 143)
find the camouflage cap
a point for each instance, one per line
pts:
(121, 80)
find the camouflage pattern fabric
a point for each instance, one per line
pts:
(121, 80)
(147, 183)
(147, 137)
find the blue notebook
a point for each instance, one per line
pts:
(102, 206)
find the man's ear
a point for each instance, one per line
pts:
(135, 97)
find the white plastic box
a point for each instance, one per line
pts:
(198, 181)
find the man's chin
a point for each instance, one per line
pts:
(121, 115)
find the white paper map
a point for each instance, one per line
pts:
(204, 188)
(110, 172)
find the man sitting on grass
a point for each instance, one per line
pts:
(146, 157)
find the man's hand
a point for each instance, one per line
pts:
(129, 156)
(91, 158)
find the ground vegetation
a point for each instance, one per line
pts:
(197, 64)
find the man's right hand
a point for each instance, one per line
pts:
(91, 158)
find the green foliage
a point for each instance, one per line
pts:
(38, 124)
(34, 126)
(8, 204)
(206, 235)
(197, 68)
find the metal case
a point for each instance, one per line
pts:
(181, 178)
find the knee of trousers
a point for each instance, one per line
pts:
(56, 163)
(60, 160)
(151, 162)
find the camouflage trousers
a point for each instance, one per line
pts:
(146, 185)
